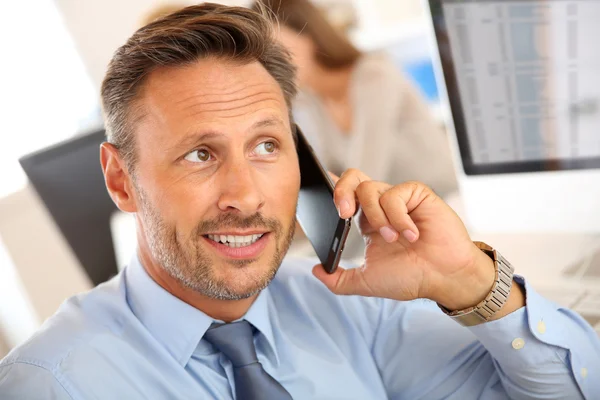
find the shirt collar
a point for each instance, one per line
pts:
(178, 326)
(260, 315)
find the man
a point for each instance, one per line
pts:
(201, 149)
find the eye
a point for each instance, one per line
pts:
(199, 156)
(266, 148)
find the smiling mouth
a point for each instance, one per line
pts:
(235, 241)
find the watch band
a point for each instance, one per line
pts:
(497, 297)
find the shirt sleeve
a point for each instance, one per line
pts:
(543, 349)
(23, 381)
(538, 351)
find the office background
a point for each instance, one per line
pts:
(50, 78)
(49, 84)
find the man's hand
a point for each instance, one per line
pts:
(417, 247)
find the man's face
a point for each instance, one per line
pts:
(217, 176)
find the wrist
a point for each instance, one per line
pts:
(516, 300)
(504, 297)
(472, 286)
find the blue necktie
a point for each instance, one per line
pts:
(252, 382)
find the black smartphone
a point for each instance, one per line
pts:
(316, 212)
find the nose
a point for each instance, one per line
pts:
(240, 191)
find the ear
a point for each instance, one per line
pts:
(117, 178)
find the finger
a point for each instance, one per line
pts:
(399, 202)
(343, 281)
(368, 194)
(344, 195)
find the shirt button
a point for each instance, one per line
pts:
(518, 343)
(541, 327)
(584, 372)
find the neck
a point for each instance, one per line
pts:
(223, 310)
(332, 84)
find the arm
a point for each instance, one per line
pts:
(543, 349)
(538, 347)
(434, 357)
(23, 381)
(418, 248)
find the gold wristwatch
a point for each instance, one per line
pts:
(497, 297)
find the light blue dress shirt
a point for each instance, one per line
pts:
(131, 339)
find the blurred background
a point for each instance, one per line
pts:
(496, 106)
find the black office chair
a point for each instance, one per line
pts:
(68, 178)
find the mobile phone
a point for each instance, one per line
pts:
(316, 212)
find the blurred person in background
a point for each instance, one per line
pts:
(201, 150)
(357, 109)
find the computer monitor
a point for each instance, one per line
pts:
(69, 180)
(522, 79)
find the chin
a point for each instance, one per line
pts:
(240, 280)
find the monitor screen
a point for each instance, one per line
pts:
(523, 78)
(68, 178)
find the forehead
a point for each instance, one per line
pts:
(211, 91)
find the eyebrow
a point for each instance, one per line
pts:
(196, 137)
(265, 123)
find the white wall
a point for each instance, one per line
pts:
(99, 27)
(386, 14)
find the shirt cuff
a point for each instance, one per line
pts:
(543, 333)
(521, 339)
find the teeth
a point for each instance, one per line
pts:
(235, 241)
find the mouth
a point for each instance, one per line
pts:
(235, 241)
(240, 247)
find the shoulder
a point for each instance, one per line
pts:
(296, 281)
(298, 296)
(378, 76)
(377, 67)
(78, 321)
(296, 272)
(295, 284)
(16, 382)
(300, 300)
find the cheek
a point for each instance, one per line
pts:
(302, 73)
(286, 186)
(186, 205)
(304, 62)
(304, 56)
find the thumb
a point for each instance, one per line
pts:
(342, 281)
